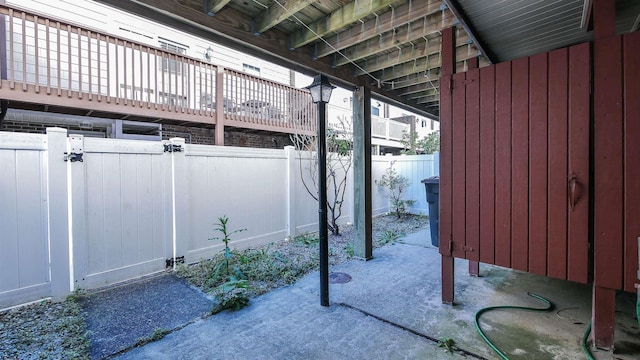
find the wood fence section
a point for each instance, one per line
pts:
(631, 43)
(579, 164)
(520, 145)
(557, 125)
(487, 165)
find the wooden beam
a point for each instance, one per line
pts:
(422, 94)
(413, 32)
(446, 168)
(419, 78)
(407, 53)
(337, 20)
(213, 6)
(586, 14)
(418, 88)
(469, 28)
(362, 206)
(277, 13)
(429, 100)
(422, 65)
(385, 22)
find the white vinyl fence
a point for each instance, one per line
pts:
(85, 212)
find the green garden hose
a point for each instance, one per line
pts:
(584, 343)
(638, 307)
(483, 310)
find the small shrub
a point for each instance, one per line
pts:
(395, 186)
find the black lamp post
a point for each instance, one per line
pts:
(320, 90)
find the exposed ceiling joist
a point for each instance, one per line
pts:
(278, 12)
(414, 31)
(407, 53)
(399, 84)
(422, 65)
(378, 25)
(213, 6)
(337, 20)
(430, 92)
(418, 88)
(586, 14)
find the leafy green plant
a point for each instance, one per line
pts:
(447, 343)
(221, 226)
(395, 186)
(349, 249)
(76, 295)
(307, 239)
(233, 294)
(389, 237)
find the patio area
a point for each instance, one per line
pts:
(391, 309)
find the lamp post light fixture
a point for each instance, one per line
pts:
(320, 90)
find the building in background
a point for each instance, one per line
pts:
(256, 92)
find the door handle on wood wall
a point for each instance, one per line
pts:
(573, 188)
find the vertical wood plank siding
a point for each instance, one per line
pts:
(520, 129)
(557, 163)
(538, 153)
(503, 164)
(631, 157)
(472, 165)
(487, 165)
(579, 149)
(519, 163)
(459, 146)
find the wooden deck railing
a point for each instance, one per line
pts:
(53, 62)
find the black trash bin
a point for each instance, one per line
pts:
(432, 185)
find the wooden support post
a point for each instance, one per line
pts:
(362, 223)
(603, 320)
(219, 129)
(446, 137)
(608, 172)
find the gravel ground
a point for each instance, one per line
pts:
(48, 330)
(44, 330)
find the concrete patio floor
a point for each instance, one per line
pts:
(391, 309)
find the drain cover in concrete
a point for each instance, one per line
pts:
(339, 278)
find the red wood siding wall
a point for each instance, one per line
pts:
(617, 161)
(520, 164)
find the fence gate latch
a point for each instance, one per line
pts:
(176, 260)
(172, 148)
(76, 143)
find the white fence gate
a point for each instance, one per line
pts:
(84, 212)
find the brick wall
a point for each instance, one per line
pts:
(231, 138)
(194, 135)
(40, 128)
